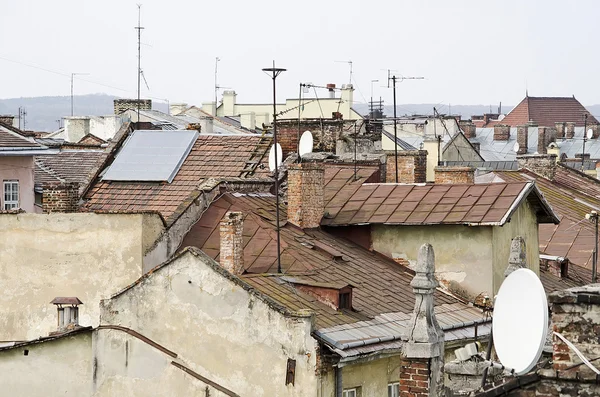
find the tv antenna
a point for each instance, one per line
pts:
(22, 114)
(217, 59)
(349, 64)
(140, 73)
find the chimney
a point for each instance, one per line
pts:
(331, 89)
(569, 130)
(347, 99)
(501, 132)
(248, 120)
(229, 103)
(542, 145)
(305, 195)
(540, 164)
(555, 265)
(522, 138)
(454, 175)
(595, 130)
(412, 166)
(431, 145)
(121, 105)
(210, 108)
(598, 170)
(560, 129)
(422, 365)
(7, 119)
(207, 124)
(68, 314)
(231, 256)
(76, 127)
(60, 197)
(177, 108)
(469, 129)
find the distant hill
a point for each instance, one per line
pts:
(43, 112)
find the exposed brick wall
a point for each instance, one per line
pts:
(121, 105)
(542, 145)
(469, 129)
(60, 197)
(305, 195)
(412, 166)
(569, 130)
(522, 138)
(560, 129)
(501, 132)
(325, 134)
(452, 175)
(541, 164)
(414, 377)
(231, 255)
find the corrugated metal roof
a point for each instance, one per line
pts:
(488, 165)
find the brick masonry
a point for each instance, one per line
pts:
(121, 105)
(452, 175)
(325, 134)
(501, 132)
(305, 195)
(560, 129)
(522, 138)
(569, 130)
(469, 129)
(414, 377)
(60, 197)
(412, 166)
(231, 255)
(540, 164)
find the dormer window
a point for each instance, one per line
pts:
(345, 298)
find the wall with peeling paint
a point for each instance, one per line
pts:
(86, 255)
(219, 327)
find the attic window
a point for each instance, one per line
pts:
(345, 300)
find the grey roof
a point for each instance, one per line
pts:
(490, 165)
(588, 165)
(181, 121)
(151, 155)
(504, 150)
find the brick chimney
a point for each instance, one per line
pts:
(422, 367)
(412, 166)
(501, 132)
(569, 130)
(560, 129)
(540, 164)
(454, 175)
(468, 128)
(60, 197)
(542, 145)
(121, 105)
(231, 256)
(305, 195)
(522, 138)
(595, 130)
(7, 119)
(555, 265)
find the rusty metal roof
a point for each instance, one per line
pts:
(397, 204)
(66, 300)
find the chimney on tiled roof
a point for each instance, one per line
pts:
(560, 129)
(468, 128)
(522, 138)
(231, 256)
(248, 120)
(540, 164)
(177, 108)
(501, 132)
(68, 313)
(569, 130)
(207, 124)
(454, 175)
(60, 197)
(229, 103)
(412, 166)
(305, 195)
(421, 369)
(555, 265)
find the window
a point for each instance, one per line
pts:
(349, 393)
(11, 195)
(345, 301)
(394, 389)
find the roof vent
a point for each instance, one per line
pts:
(68, 313)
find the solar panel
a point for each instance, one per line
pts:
(151, 156)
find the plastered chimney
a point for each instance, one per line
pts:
(305, 195)
(231, 256)
(229, 103)
(210, 108)
(248, 120)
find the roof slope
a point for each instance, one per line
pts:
(10, 139)
(219, 156)
(68, 166)
(546, 111)
(340, 183)
(482, 204)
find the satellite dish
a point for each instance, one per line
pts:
(590, 133)
(272, 157)
(306, 143)
(520, 324)
(516, 147)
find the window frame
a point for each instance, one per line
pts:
(346, 392)
(391, 389)
(11, 203)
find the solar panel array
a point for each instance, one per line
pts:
(153, 156)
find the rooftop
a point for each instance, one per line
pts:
(11, 140)
(546, 111)
(68, 166)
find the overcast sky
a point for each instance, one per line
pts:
(470, 52)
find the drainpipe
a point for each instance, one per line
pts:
(338, 382)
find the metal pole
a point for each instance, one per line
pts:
(395, 131)
(299, 115)
(595, 264)
(488, 355)
(584, 139)
(139, 29)
(72, 74)
(355, 138)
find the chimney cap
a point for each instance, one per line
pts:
(66, 300)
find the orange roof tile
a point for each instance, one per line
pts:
(546, 111)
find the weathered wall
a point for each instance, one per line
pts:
(46, 255)
(18, 168)
(61, 367)
(463, 254)
(522, 223)
(222, 330)
(459, 149)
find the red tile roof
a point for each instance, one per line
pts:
(341, 184)
(380, 284)
(546, 111)
(68, 166)
(489, 204)
(218, 156)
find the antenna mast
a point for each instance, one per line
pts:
(349, 64)
(139, 77)
(217, 59)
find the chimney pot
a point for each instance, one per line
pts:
(68, 313)
(305, 195)
(231, 256)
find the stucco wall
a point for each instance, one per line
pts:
(42, 256)
(223, 331)
(459, 149)
(18, 168)
(61, 367)
(463, 254)
(523, 223)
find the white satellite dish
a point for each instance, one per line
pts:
(516, 147)
(590, 133)
(520, 324)
(306, 143)
(272, 157)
